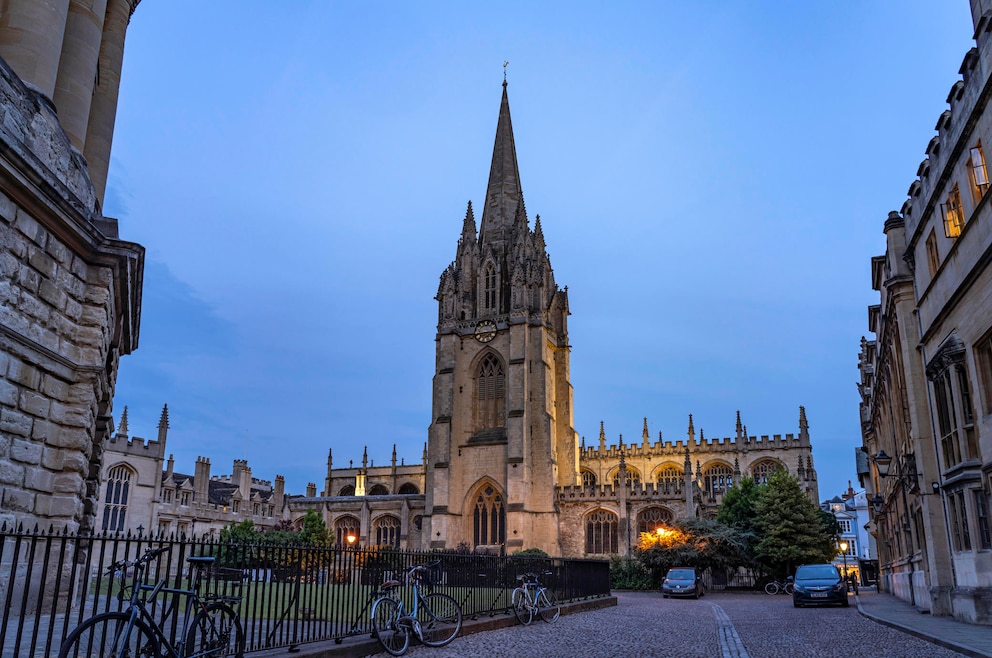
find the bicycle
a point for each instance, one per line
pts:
(213, 630)
(530, 597)
(774, 587)
(435, 619)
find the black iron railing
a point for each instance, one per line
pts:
(50, 581)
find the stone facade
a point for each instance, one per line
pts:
(926, 378)
(141, 492)
(70, 289)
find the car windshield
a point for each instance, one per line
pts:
(681, 574)
(817, 571)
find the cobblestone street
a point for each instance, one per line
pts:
(644, 624)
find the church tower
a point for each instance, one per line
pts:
(501, 436)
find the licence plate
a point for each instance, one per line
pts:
(818, 595)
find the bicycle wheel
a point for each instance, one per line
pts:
(103, 636)
(789, 588)
(440, 619)
(215, 632)
(771, 588)
(522, 609)
(547, 605)
(393, 636)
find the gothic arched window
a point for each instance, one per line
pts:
(347, 490)
(489, 288)
(633, 478)
(345, 527)
(489, 518)
(387, 531)
(409, 488)
(763, 470)
(717, 479)
(115, 500)
(601, 533)
(588, 479)
(491, 397)
(670, 479)
(379, 490)
(653, 518)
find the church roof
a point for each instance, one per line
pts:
(503, 193)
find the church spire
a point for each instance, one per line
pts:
(503, 193)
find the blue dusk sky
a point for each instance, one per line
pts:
(712, 179)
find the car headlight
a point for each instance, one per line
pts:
(800, 589)
(839, 587)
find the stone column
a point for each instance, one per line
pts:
(31, 39)
(78, 67)
(103, 108)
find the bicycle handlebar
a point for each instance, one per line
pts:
(148, 556)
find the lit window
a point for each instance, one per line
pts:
(953, 214)
(979, 174)
(933, 256)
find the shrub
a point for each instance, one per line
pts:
(628, 573)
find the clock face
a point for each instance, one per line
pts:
(485, 331)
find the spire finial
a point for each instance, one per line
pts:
(122, 430)
(505, 64)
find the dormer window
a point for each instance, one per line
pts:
(979, 174)
(953, 214)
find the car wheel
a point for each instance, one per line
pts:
(795, 604)
(664, 596)
(845, 603)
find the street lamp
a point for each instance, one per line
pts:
(883, 463)
(843, 552)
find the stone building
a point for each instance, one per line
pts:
(504, 468)
(926, 378)
(70, 288)
(141, 492)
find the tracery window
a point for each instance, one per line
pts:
(633, 478)
(717, 479)
(379, 490)
(588, 479)
(670, 479)
(653, 518)
(763, 470)
(115, 500)
(347, 490)
(346, 526)
(409, 488)
(491, 398)
(387, 531)
(489, 518)
(601, 533)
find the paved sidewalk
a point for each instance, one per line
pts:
(969, 639)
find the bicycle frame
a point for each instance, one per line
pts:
(138, 611)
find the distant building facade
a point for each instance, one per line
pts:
(926, 377)
(141, 492)
(70, 288)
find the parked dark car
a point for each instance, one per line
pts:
(682, 581)
(819, 584)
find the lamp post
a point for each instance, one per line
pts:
(843, 552)
(883, 463)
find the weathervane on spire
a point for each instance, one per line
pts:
(505, 64)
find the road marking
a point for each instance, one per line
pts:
(730, 641)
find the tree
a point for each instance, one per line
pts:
(790, 528)
(314, 531)
(701, 543)
(738, 506)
